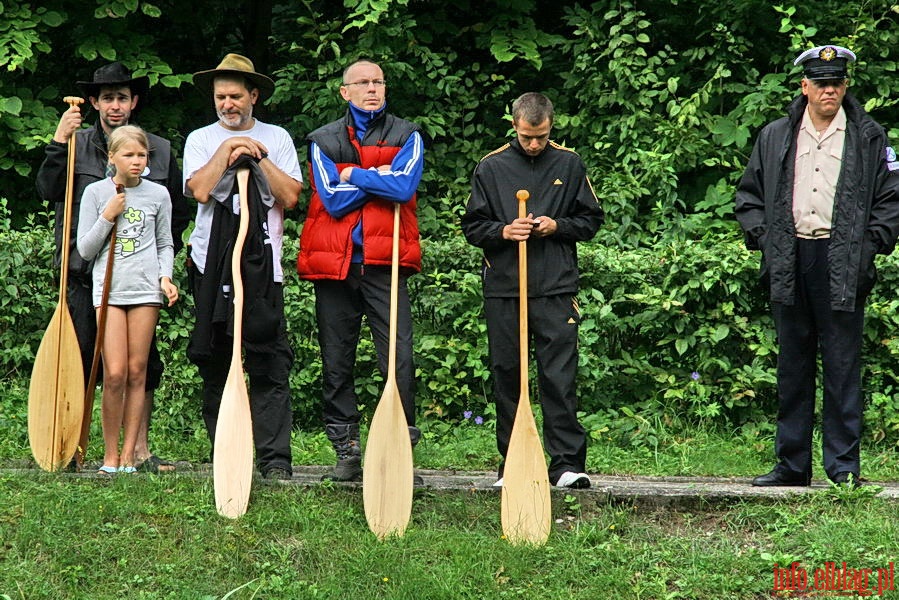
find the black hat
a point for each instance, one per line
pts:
(235, 64)
(825, 62)
(112, 75)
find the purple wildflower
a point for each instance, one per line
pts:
(695, 376)
(467, 414)
(479, 420)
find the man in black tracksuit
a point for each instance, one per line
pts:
(819, 198)
(569, 212)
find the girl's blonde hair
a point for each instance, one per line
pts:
(127, 133)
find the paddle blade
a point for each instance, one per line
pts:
(387, 470)
(526, 505)
(232, 464)
(56, 394)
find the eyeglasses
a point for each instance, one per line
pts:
(826, 83)
(367, 82)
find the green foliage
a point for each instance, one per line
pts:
(29, 294)
(677, 333)
(661, 99)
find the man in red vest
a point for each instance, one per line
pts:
(362, 165)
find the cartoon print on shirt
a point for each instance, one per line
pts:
(128, 238)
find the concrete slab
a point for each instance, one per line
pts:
(675, 492)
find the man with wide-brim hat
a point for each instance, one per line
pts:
(239, 66)
(820, 198)
(116, 75)
(115, 94)
(211, 154)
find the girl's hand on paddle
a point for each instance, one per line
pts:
(519, 230)
(114, 207)
(169, 289)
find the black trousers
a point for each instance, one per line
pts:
(79, 297)
(269, 390)
(339, 307)
(553, 329)
(803, 329)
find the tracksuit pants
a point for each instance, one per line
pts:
(553, 332)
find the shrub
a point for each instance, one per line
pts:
(679, 331)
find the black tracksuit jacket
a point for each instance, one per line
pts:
(557, 182)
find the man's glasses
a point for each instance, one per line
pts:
(367, 82)
(825, 83)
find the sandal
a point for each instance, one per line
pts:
(154, 464)
(105, 470)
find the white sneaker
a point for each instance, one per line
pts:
(499, 483)
(570, 479)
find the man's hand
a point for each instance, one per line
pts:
(347, 171)
(69, 123)
(520, 229)
(244, 145)
(544, 226)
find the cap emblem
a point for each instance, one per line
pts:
(828, 53)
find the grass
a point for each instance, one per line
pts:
(71, 537)
(66, 536)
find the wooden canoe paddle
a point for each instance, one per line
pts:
(89, 391)
(56, 391)
(526, 504)
(387, 477)
(232, 462)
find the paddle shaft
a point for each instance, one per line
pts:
(67, 219)
(394, 292)
(67, 224)
(523, 196)
(66, 235)
(98, 345)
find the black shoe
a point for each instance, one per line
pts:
(846, 479)
(347, 469)
(277, 473)
(780, 478)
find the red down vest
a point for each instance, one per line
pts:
(326, 245)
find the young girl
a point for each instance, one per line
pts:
(141, 281)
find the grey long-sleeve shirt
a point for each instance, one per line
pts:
(144, 250)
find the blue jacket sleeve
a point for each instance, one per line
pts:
(338, 198)
(400, 182)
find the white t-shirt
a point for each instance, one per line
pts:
(199, 147)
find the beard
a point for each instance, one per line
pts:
(235, 120)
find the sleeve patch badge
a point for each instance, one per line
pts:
(892, 163)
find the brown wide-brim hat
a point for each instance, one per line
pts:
(116, 75)
(235, 64)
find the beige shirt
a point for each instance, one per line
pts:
(819, 158)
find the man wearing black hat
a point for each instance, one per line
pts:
(819, 198)
(114, 94)
(209, 153)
